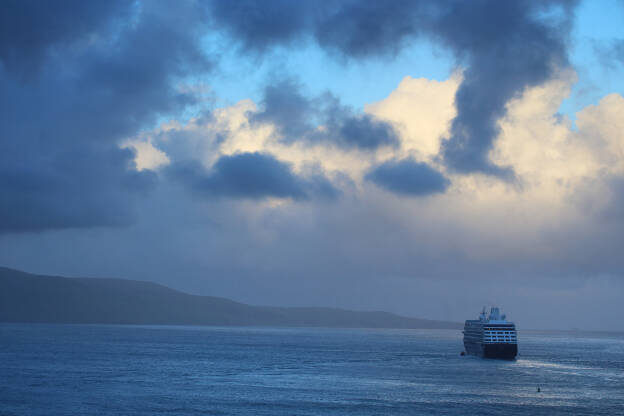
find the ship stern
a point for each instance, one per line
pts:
(502, 351)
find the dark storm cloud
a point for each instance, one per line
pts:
(30, 29)
(349, 27)
(508, 48)
(261, 25)
(91, 76)
(253, 176)
(297, 118)
(360, 29)
(506, 45)
(408, 177)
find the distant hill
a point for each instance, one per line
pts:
(26, 297)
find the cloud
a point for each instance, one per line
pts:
(284, 105)
(147, 156)
(506, 46)
(320, 119)
(408, 177)
(610, 53)
(561, 218)
(421, 111)
(260, 26)
(549, 242)
(253, 176)
(76, 80)
(351, 28)
(233, 130)
(77, 91)
(367, 133)
(88, 192)
(31, 30)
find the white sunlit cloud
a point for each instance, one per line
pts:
(553, 162)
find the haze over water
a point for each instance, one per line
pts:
(149, 370)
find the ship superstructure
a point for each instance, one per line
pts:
(491, 336)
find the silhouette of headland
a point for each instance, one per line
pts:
(30, 298)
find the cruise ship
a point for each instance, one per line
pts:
(491, 336)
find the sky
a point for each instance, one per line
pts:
(423, 158)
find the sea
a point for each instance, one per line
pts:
(172, 370)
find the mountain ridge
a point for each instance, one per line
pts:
(32, 298)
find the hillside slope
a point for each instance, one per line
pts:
(26, 297)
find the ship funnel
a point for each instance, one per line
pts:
(494, 314)
(482, 316)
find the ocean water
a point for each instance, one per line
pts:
(150, 370)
